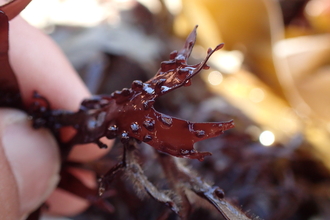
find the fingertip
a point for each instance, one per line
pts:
(41, 66)
(33, 158)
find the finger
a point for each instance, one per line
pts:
(29, 164)
(41, 66)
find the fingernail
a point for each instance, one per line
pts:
(34, 160)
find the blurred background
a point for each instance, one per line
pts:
(271, 78)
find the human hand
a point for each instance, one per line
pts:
(29, 159)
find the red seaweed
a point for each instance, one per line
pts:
(129, 113)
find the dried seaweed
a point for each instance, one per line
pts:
(180, 180)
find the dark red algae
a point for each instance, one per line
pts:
(129, 113)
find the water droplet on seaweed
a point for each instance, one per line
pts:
(147, 138)
(137, 85)
(124, 137)
(112, 132)
(148, 89)
(164, 89)
(166, 120)
(149, 124)
(115, 94)
(180, 59)
(126, 92)
(200, 133)
(135, 127)
(184, 152)
(148, 104)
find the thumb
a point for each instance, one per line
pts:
(29, 165)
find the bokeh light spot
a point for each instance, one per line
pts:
(267, 138)
(256, 95)
(215, 78)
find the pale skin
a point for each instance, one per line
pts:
(28, 175)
